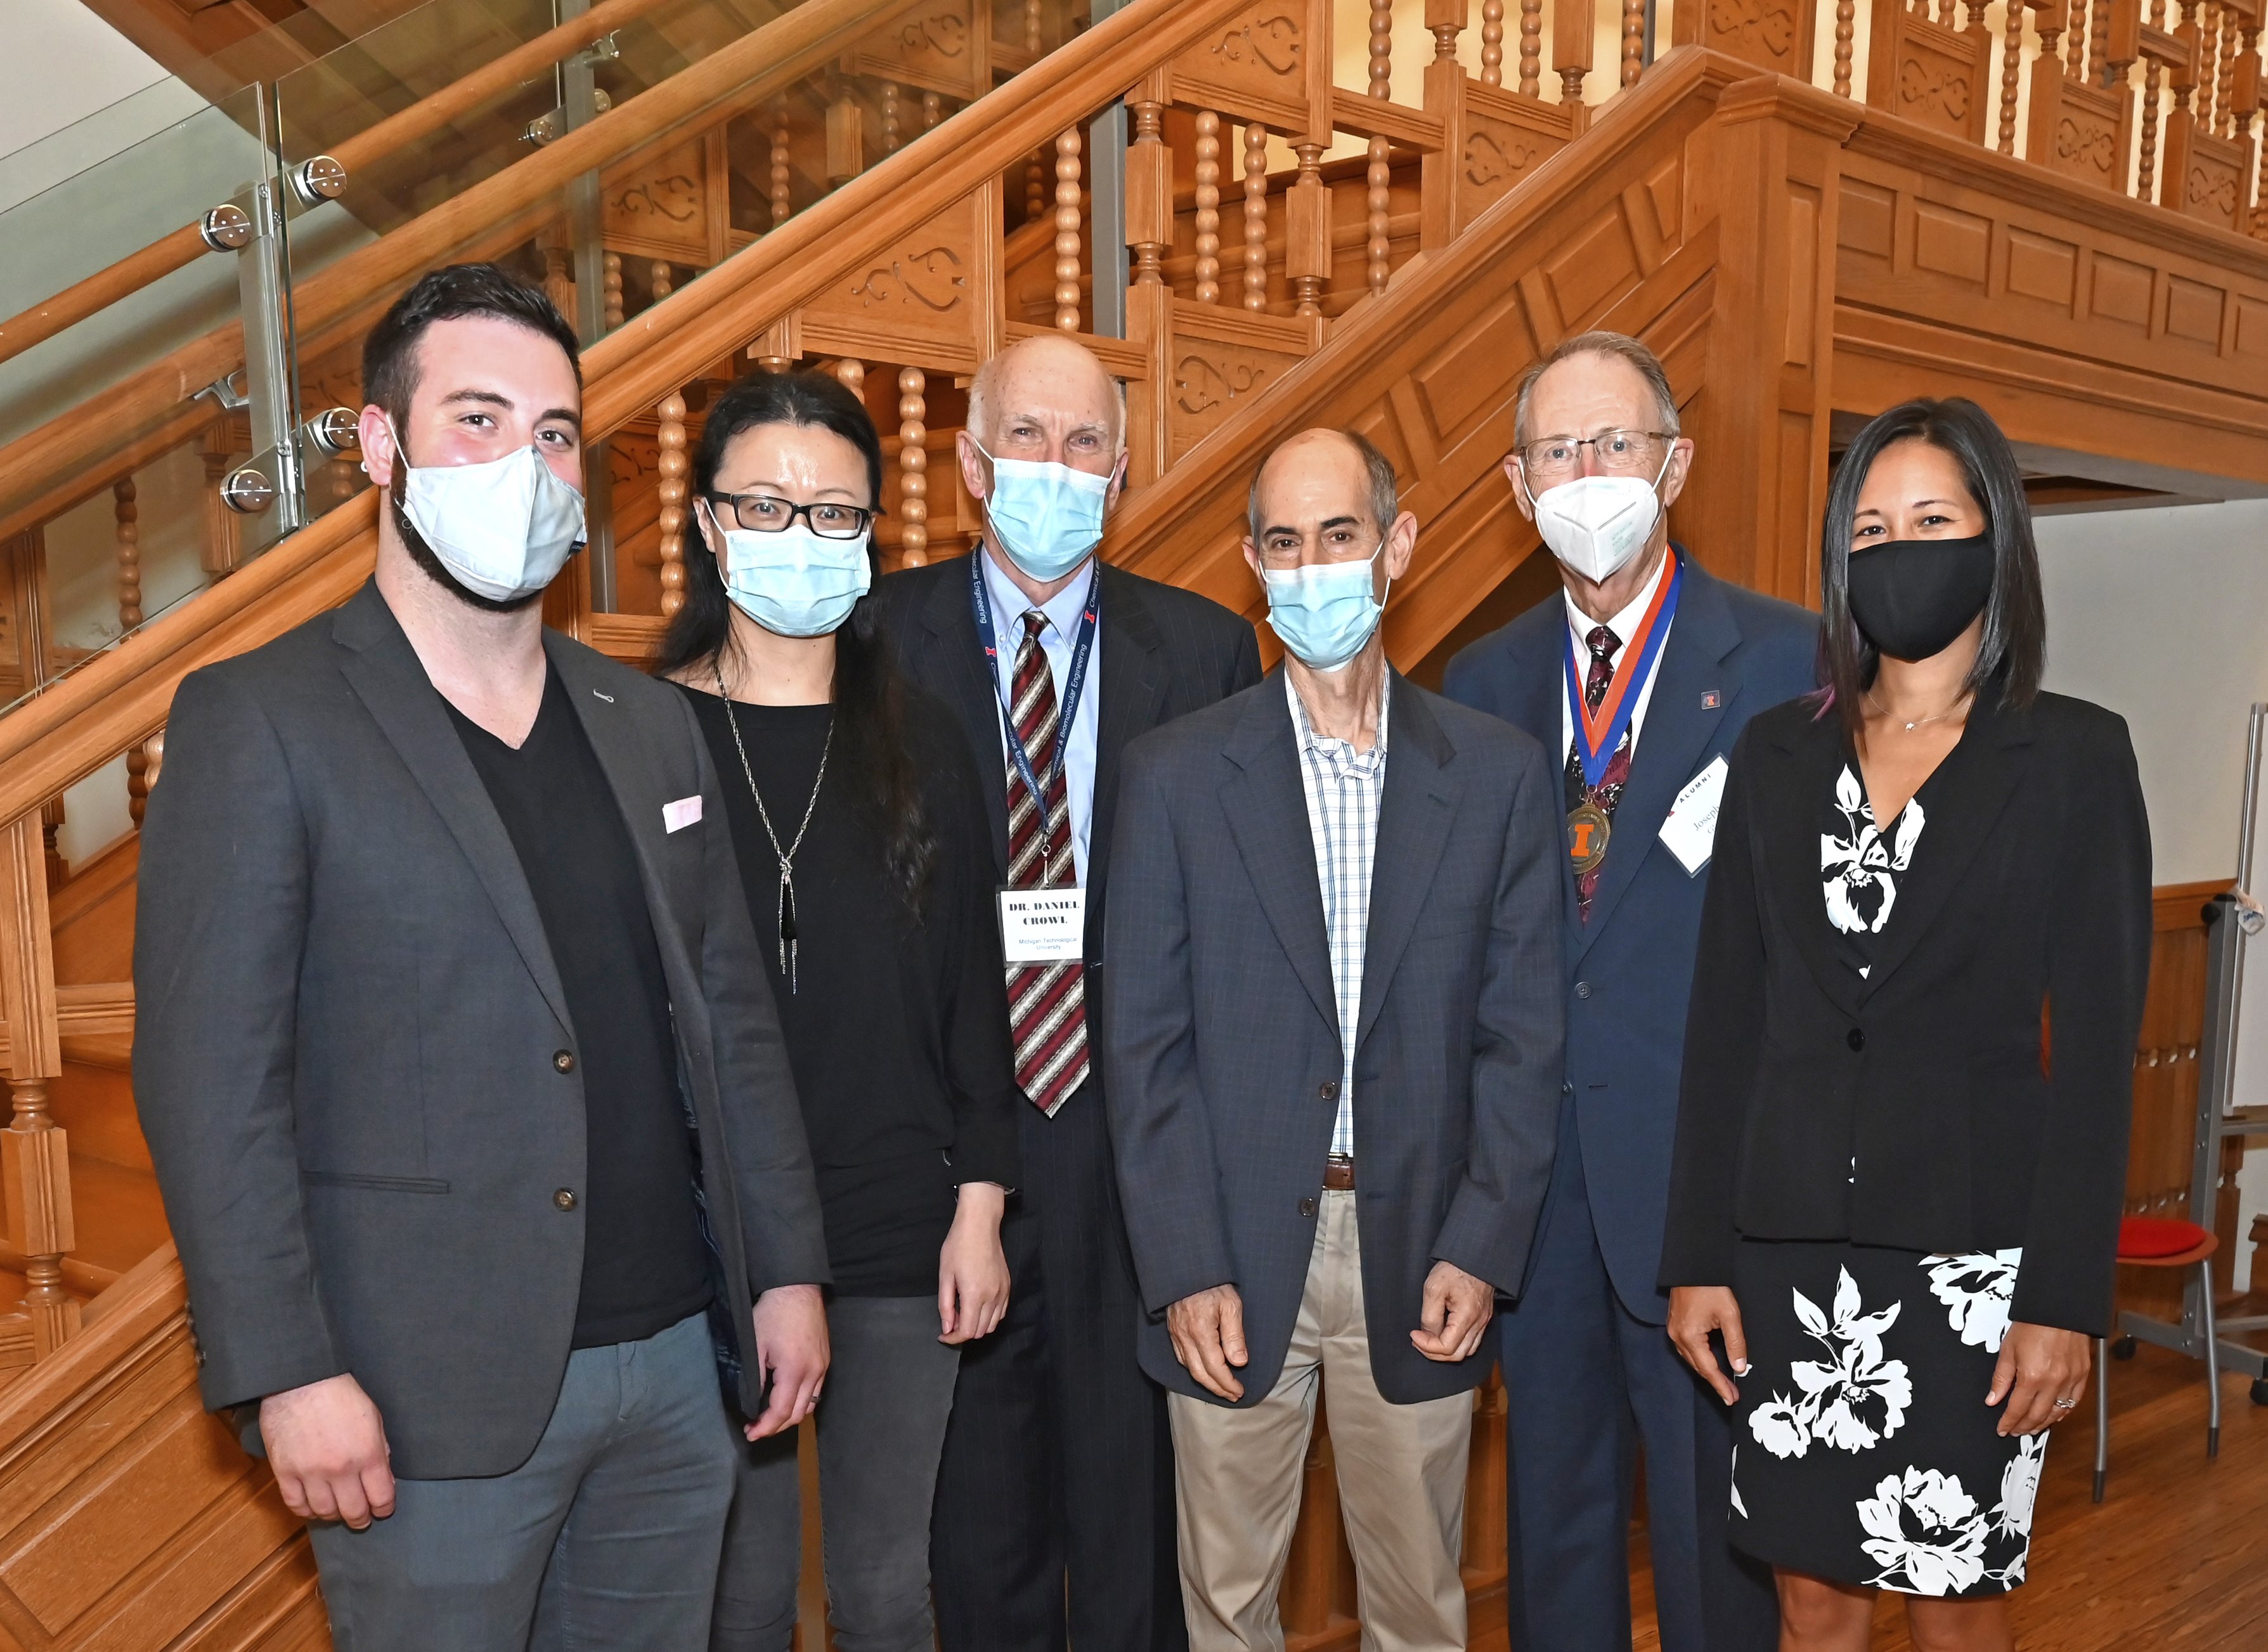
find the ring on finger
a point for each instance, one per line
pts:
(2066, 1404)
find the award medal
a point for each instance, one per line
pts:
(1598, 733)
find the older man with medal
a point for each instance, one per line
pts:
(1644, 671)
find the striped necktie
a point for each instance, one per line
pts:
(1603, 644)
(1046, 1002)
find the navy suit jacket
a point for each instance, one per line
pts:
(1730, 654)
(1224, 1056)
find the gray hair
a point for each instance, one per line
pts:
(1618, 346)
(986, 382)
(1385, 491)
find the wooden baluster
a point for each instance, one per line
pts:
(846, 136)
(2075, 43)
(2154, 72)
(913, 469)
(34, 1155)
(1306, 232)
(1846, 12)
(671, 468)
(781, 207)
(2255, 73)
(2225, 98)
(1035, 169)
(1208, 175)
(2012, 64)
(1378, 177)
(1531, 48)
(220, 552)
(612, 292)
(932, 110)
(1634, 40)
(153, 759)
(889, 117)
(127, 515)
(1032, 36)
(1572, 36)
(2208, 82)
(1255, 215)
(664, 279)
(1149, 192)
(1492, 41)
(558, 279)
(2098, 37)
(1067, 200)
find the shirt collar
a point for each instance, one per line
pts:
(1625, 624)
(1010, 605)
(1329, 746)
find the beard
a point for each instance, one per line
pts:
(422, 554)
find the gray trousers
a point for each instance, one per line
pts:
(605, 1537)
(880, 1425)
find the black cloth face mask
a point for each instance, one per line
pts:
(1912, 597)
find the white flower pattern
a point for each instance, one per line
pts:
(1975, 1290)
(1861, 889)
(1853, 1399)
(1926, 1533)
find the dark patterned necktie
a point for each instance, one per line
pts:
(1046, 1002)
(1603, 644)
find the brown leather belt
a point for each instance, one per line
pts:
(1338, 1172)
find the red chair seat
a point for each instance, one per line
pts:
(2145, 1238)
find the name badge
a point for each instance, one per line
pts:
(686, 811)
(1690, 831)
(1043, 926)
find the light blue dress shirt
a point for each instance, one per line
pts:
(1057, 638)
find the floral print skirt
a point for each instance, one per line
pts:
(1864, 1452)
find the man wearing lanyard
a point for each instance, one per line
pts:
(1057, 1463)
(1644, 642)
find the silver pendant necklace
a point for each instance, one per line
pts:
(786, 910)
(1919, 722)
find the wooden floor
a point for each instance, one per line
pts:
(2174, 1558)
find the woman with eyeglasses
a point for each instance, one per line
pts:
(1897, 1209)
(852, 802)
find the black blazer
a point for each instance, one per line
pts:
(1163, 653)
(1911, 1109)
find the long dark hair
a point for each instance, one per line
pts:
(870, 699)
(2014, 649)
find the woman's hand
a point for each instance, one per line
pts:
(1695, 1310)
(972, 1273)
(2039, 1366)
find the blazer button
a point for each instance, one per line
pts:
(564, 1061)
(1329, 1090)
(1855, 1038)
(1306, 1207)
(1582, 989)
(564, 1198)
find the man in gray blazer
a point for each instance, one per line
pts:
(1333, 1002)
(454, 1052)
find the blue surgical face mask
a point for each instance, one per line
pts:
(1324, 613)
(1046, 517)
(795, 583)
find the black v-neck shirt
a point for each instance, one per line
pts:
(897, 1024)
(643, 1268)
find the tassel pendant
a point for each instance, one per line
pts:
(787, 931)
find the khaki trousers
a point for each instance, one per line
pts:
(1401, 1473)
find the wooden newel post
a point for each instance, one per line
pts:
(1570, 53)
(1149, 301)
(34, 1155)
(1307, 229)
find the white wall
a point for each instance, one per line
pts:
(63, 63)
(2162, 616)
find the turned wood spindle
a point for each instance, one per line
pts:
(1067, 200)
(1255, 217)
(2075, 40)
(558, 280)
(913, 469)
(932, 110)
(2145, 171)
(889, 117)
(2225, 98)
(127, 515)
(671, 468)
(1634, 40)
(851, 373)
(1145, 161)
(1531, 47)
(2012, 66)
(1036, 186)
(1378, 177)
(611, 291)
(1492, 40)
(1307, 251)
(663, 278)
(1032, 33)
(40, 1223)
(780, 202)
(1846, 13)
(2098, 40)
(1208, 201)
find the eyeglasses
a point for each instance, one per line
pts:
(1552, 460)
(1342, 545)
(761, 514)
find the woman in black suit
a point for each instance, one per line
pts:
(1899, 1215)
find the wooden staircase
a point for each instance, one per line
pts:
(1796, 255)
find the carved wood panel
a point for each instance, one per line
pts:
(1507, 138)
(1928, 72)
(945, 47)
(1774, 34)
(1272, 62)
(660, 208)
(931, 301)
(1216, 359)
(2082, 131)
(2214, 181)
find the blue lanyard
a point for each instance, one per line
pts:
(1634, 672)
(1067, 708)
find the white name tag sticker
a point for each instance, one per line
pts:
(1690, 831)
(1043, 926)
(675, 817)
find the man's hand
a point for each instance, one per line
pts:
(1208, 1334)
(791, 1324)
(1695, 1310)
(1456, 1313)
(327, 1448)
(2038, 1365)
(972, 1272)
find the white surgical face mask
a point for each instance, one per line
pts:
(1047, 517)
(795, 583)
(1596, 524)
(1325, 612)
(504, 528)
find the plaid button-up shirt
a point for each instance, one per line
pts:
(1343, 787)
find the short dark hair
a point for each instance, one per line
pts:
(389, 355)
(1378, 471)
(2014, 652)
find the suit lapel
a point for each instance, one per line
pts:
(385, 672)
(962, 682)
(1793, 809)
(1267, 810)
(1678, 728)
(1414, 817)
(1132, 683)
